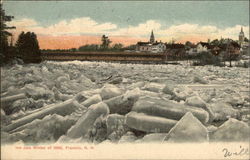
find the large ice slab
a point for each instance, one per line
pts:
(64, 108)
(167, 109)
(188, 129)
(150, 124)
(85, 123)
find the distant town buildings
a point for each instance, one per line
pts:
(151, 46)
(216, 47)
(175, 51)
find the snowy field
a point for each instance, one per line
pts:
(100, 102)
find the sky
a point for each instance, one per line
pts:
(70, 24)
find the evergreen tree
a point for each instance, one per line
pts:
(4, 52)
(28, 47)
(105, 42)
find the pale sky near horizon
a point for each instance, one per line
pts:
(127, 21)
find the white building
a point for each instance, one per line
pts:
(192, 51)
(202, 47)
(144, 46)
(158, 47)
(151, 46)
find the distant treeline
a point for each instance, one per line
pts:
(95, 47)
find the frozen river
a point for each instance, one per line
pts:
(28, 90)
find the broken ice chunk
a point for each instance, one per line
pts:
(84, 124)
(232, 130)
(188, 129)
(149, 124)
(92, 100)
(109, 91)
(167, 109)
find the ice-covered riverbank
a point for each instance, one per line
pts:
(99, 102)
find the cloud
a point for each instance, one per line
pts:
(85, 26)
(197, 32)
(140, 30)
(23, 23)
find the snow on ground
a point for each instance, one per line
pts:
(32, 94)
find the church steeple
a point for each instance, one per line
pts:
(241, 36)
(152, 37)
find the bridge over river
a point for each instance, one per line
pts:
(105, 56)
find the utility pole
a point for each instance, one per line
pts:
(229, 53)
(11, 40)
